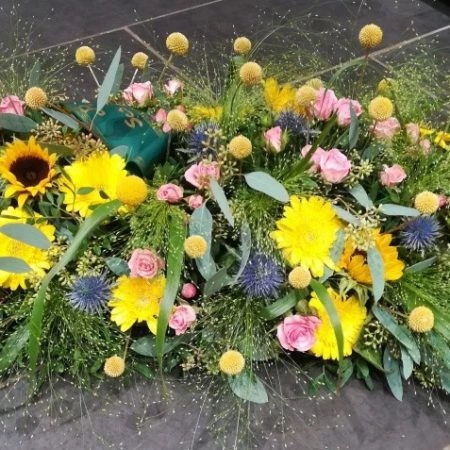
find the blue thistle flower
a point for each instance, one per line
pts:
(291, 122)
(262, 276)
(90, 293)
(421, 233)
(199, 135)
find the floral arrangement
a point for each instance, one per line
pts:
(164, 226)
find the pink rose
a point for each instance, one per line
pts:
(442, 200)
(170, 193)
(413, 132)
(325, 104)
(172, 87)
(391, 176)
(161, 119)
(425, 145)
(138, 92)
(145, 263)
(386, 129)
(315, 159)
(334, 166)
(298, 332)
(182, 318)
(188, 291)
(273, 139)
(195, 201)
(11, 104)
(200, 174)
(343, 111)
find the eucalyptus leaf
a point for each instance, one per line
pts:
(14, 265)
(247, 388)
(121, 150)
(108, 82)
(345, 215)
(376, 269)
(14, 122)
(117, 266)
(391, 209)
(393, 377)
(336, 253)
(265, 183)
(359, 193)
(63, 118)
(221, 199)
(407, 363)
(118, 79)
(246, 247)
(421, 266)
(28, 234)
(85, 190)
(279, 307)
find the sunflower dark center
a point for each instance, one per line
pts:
(30, 170)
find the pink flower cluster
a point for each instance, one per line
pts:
(199, 174)
(140, 93)
(145, 263)
(182, 318)
(391, 176)
(170, 193)
(298, 332)
(275, 139)
(413, 133)
(11, 104)
(326, 104)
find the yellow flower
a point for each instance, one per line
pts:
(299, 277)
(177, 120)
(132, 190)
(370, 36)
(380, 108)
(421, 319)
(137, 300)
(232, 362)
(240, 147)
(139, 60)
(300, 238)
(35, 98)
(355, 262)
(426, 202)
(177, 43)
(114, 366)
(351, 315)
(278, 99)
(36, 258)
(195, 246)
(442, 139)
(315, 83)
(305, 96)
(242, 45)
(250, 73)
(28, 169)
(201, 113)
(84, 56)
(99, 173)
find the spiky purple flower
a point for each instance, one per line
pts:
(421, 233)
(90, 293)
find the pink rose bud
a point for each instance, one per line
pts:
(442, 200)
(195, 201)
(145, 263)
(298, 332)
(325, 104)
(343, 111)
(315, 159)
(391, 176)
(11, 104)
(188, 291)
(138, 92)
(182, 319)
(172, 87)
(273, 138)
(413, 132)
(386, 129)
(170, 193)
(425, 145)
(334, 166)
(199, 174)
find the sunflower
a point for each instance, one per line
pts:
(28, 168)
(307, 232)
(355, 262)
(351, 315)
(36, 258)
(92, 181)
(137, 299)
(278, 98)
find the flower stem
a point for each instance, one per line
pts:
(93, 75)
(166, 64)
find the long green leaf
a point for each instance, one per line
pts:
(27, 234)
(279, 307)
(19, 124)
(14, 265)
(353, 131)
(421, 266)
(219, 280)
(376, 269)
(63, 118)
(87, 227)
(265, 183)
(175, 256)
(221, 200)
(108, 83)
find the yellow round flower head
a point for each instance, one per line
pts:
(35, 98)
(242, 45)
(139, 60)
(177, 120)
(315, 83)
(232, 362)
(132, 190)
(250, 73)
(305, 96)
(240, 147)
(426, 202)
(299, 277)
(84, 56)
(195, 246)
(177, 43)
(114, 366)
(380, 108)
(421, 319)
(370, 36)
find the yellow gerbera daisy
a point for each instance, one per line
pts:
(355, 262)
(352, 316)
(137, 300)
(28, 168)
(278, 98)
(36, 258)
(200, 113)
(93, 181)
(307, 232)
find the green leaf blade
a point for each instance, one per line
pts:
(279, 307)
(16, 123)
(65, 119)
(221, 199)
(108, 83)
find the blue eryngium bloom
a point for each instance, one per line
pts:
(421, 233)
(199, 135)
(90, 293)
(291, 122)
(262, 276)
